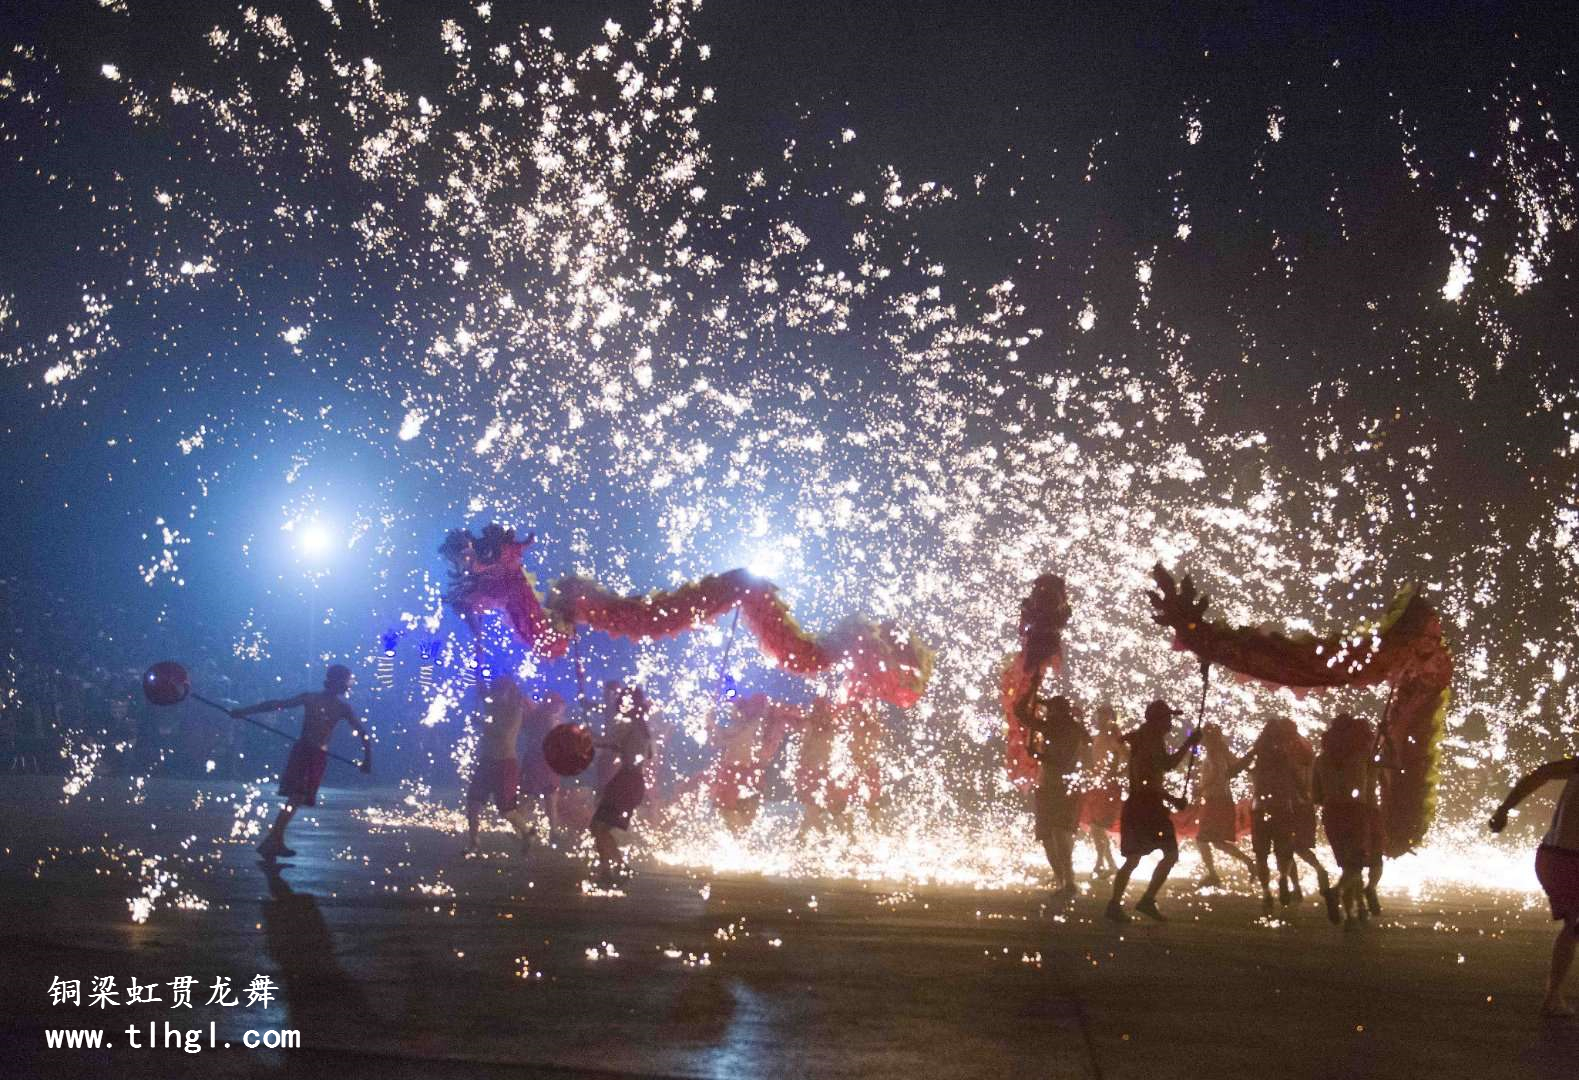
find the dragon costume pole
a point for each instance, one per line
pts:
(1200, 717)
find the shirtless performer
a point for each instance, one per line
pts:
(1283, 815)
(1145, 825)
(321, 711)
(497, 774)
(1103, 802)
(1556, 867)
(1345, 788)
(538, 779)
(630, 744)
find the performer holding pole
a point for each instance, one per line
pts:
(1346, 791)
(539, 781)
(1145, 825)
(321, 711)
(497, 774)
(1556, 866)
(1283, 816)
(631, 744)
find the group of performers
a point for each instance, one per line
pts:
(1105, 778)
(504, 771)
(1096, 779)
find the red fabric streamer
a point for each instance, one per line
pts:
(1043, 616)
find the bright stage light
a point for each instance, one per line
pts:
(766, 562)
(314, 539)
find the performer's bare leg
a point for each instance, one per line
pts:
(1562, 960)
(551, 811)
(473, 826)
(609, 861)
(1115, 907)
(1235, 852)
(1211, 880)
(1060, 848)
(1104, 847)
(1373, 902)
(1159, 878)
(1322, 881)
(1264, 875)
(274, 843)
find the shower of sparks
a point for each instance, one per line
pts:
(526, 288)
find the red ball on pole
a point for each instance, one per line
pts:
(166, 683)
(568, 749)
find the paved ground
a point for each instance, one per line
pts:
(385, 971)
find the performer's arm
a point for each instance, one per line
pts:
(1528, 785)
(1189, 744)
(270, 706)
(1240, 764)
(362, 733)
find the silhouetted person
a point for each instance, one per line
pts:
(1059, 742)
(1557, 867)
(629, 744)
(1218, 826)
(1345, 787)
(1106, 795)
(1283, 813)
(321, 711)
(1145, 824)
(497, 772)
(538, 779)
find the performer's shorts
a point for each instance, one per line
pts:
(1272, 827)
(1282, 826)
(620, 799)
(1057, 809)
(538, 779)
(498, 779)
(1219, 821)
(303, 773)
(1351, 828)
(1146, 826)
(1558, 871)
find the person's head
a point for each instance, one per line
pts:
(1061, 709)
(338, 679)
(1159, 716)
(504, 688)
(1346, 736)
(1106, 717)
(1213, 741)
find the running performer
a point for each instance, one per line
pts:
(1557, 867)
(321, 711)
(1345, 788)
(538, 779)
(497, 774)
(1219, 816)
(1145, 824)
(629, 744)
(1106, 795)
(1283, 814)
